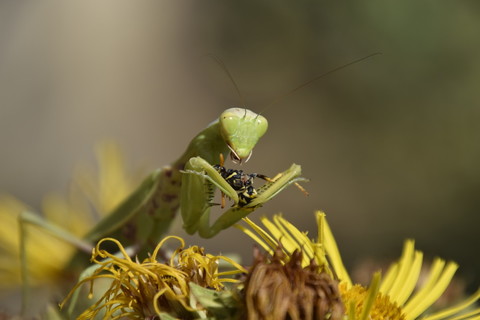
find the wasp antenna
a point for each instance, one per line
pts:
(309, 82)
(225, 69)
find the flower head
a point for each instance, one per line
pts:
(150, 288)
(279, 287)
(394, 297)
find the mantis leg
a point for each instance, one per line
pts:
(198, 186)
(25, 219)
(226, 220)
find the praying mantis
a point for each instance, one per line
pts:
(188, 183)
(148, 212)
(152, 207)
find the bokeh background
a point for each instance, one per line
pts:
(391, 144)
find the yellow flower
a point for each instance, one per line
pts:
(397, 296)
(147, 289)
(90, 197)
(46, 265)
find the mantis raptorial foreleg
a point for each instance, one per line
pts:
(199, 183)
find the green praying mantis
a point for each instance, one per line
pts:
(188, 183)
(141, 219)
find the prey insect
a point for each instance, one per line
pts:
(241, 182)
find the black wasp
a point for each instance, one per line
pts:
(240, 182)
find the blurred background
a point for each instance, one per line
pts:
(391, 144)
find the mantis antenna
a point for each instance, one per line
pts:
(225, 69)
(309, 82)
(283, 96)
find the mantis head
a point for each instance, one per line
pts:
(241, 129)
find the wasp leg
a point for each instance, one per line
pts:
(264, 177)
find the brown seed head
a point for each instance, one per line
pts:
(279, 288)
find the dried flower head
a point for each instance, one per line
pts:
(279, 287)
